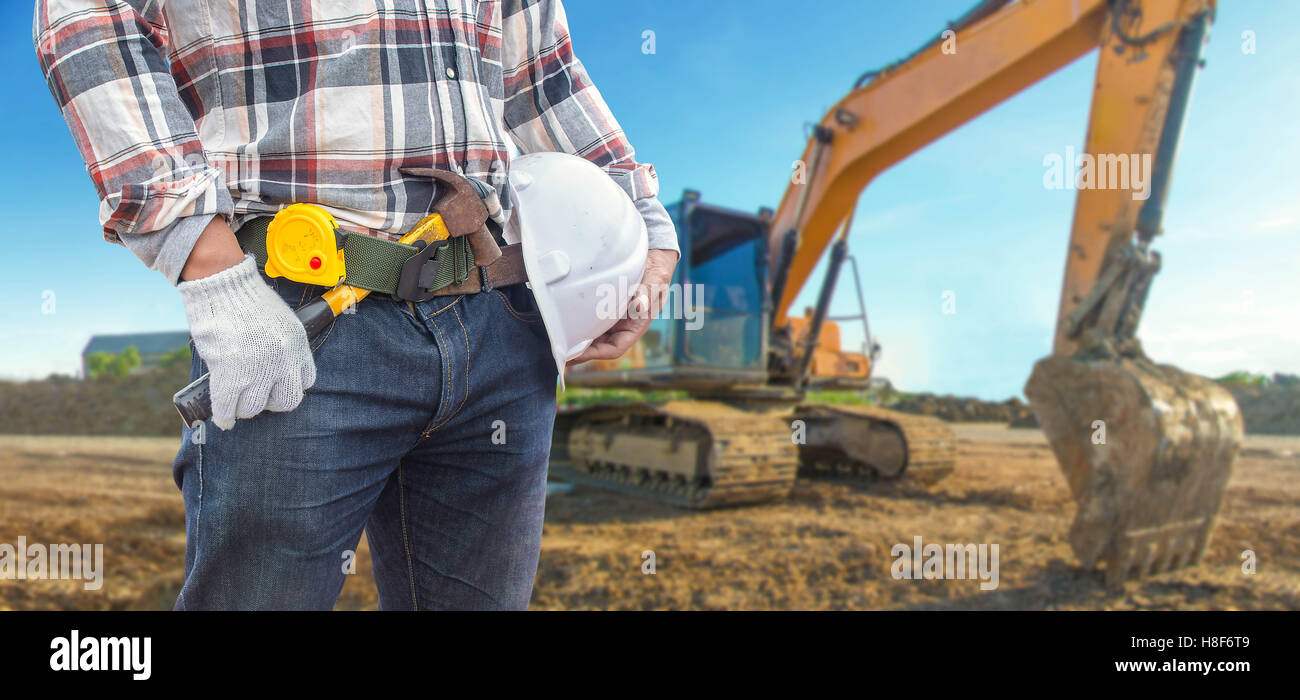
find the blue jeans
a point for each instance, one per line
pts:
(429, 427)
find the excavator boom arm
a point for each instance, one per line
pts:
(1150, 489)
(972, 70)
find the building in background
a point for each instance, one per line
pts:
(151, 346)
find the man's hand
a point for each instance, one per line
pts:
(648, 298)
(256, 349)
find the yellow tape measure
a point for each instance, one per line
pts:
(301, 245)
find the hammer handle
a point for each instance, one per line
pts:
(484, 246)
(194, 402)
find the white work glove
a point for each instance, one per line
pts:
(255, 348)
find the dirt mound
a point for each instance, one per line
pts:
(138, 404)
(1269, 406)
(1269, 409)
(957, 409)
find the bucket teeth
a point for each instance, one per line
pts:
(1147, 451)
(1147, 553)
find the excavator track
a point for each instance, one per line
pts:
(694, 454)
(865, 441)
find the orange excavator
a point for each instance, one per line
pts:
(1147, 449)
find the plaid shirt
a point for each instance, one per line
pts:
(186, 109)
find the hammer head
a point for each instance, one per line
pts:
(462, 211)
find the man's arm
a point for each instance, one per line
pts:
(552, 105)
(105, 63)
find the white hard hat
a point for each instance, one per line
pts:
(584, 247)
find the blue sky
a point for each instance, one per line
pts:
(721, 107)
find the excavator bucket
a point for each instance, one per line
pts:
(1147, 450)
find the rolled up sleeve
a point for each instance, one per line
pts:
(105, 64)
(551, 104)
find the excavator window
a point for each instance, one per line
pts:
(727, 276)
(715, 231)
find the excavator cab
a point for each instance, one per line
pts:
(734, 441)
(712, 331)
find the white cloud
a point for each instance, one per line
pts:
(1215, 340)
(905, 360)
(902, 213)
(1273, 225)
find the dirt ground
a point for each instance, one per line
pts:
(828, 547)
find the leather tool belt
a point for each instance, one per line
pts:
(407, 272)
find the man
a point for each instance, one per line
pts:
(195, 116)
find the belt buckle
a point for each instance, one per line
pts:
(418, 273)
